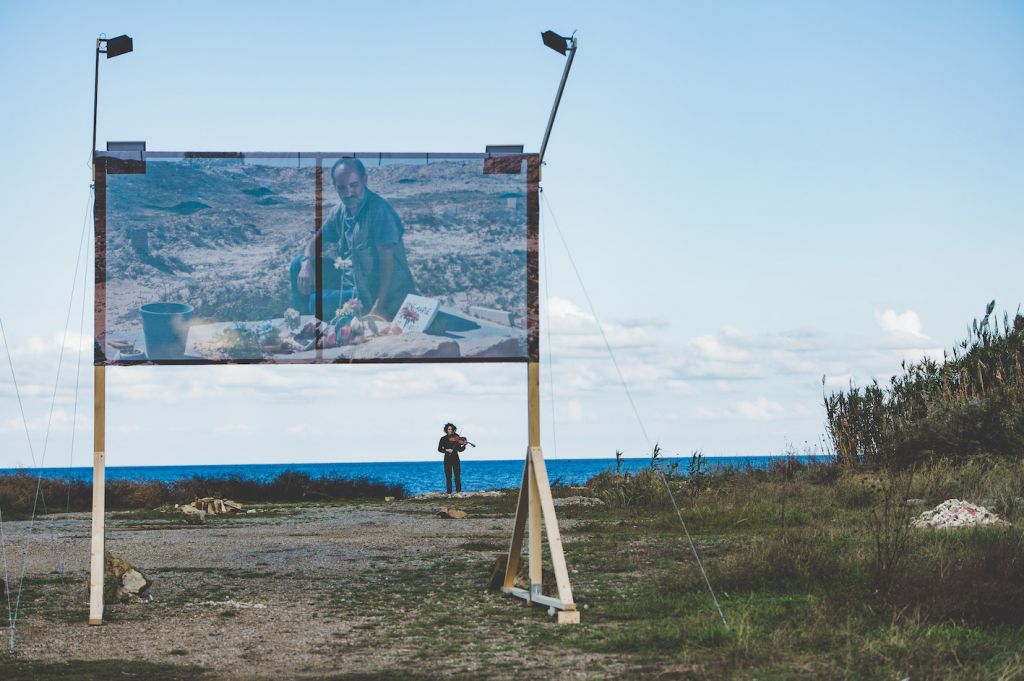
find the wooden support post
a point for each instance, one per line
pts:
(512, 566)
(536, 533)
(537, 506)
(547, 505)
(536, 536)
(98, 495)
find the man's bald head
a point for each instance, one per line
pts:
(347, 165)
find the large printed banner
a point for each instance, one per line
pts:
(211, 258)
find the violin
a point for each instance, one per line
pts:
(461, 440)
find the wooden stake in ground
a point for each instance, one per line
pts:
(537, 506)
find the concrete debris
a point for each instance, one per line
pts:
(192, 515)
(957, 513)
(123, 582)
(578, 501)
(451, 514)
(196, 512)
(217, 505)
(459, 495)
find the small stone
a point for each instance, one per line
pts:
(133, 581)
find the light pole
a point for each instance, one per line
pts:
(114, 47)
(563, 46)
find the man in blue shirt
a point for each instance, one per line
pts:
(368, 253)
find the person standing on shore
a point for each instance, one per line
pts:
(450, 445)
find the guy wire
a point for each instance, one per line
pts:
(636, 412)
(547, 324)
(53, 400)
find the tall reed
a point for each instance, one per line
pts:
(970, 403)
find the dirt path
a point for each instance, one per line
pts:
(354, 591)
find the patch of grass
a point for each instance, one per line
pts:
(482, 545)
(98, 670)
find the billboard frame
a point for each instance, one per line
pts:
(535, 507)
(135, 162)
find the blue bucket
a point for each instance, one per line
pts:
(165, 326)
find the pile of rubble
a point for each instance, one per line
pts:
(196, 512)
(957, 513)
(459, 495)
(578, 501)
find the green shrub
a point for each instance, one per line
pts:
(18, 492)
(970, 404)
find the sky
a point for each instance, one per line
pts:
(764, 201)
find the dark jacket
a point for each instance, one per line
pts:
(445, 444)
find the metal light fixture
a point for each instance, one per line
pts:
(556, 42)
(114, 47)
(122, 44)
(563, 46)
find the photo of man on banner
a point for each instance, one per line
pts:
(364, 255)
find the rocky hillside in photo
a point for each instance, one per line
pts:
(220, 234)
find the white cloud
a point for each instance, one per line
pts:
(576, 413)
(709, 347)
(903, 325)
(574, 332)
(760, 409)
(233, 428)
(841, 381)
(61, 420)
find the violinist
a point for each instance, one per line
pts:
(450, 445)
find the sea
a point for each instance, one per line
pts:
(417, 477)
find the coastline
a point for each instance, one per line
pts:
(416, 476)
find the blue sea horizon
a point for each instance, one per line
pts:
(417, 477)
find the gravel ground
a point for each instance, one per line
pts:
(350, 591)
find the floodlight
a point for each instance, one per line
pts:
(563, 46)
(555, 42)
(115, 47)
(122, 44)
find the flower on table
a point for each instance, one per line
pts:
(409, 315)
(292, 318)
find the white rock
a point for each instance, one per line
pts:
(956, 513)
